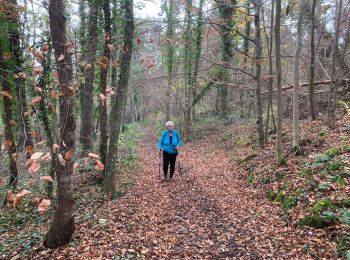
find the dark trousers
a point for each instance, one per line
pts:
(169, 158)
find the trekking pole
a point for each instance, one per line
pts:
(160, 155)
(180, 170)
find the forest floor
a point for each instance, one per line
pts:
(216, 208)
(210, 211)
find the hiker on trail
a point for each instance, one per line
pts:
(169, 143)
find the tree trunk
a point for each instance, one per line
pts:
(269, 41)
(62, 226)
(331, 98)
(278, 82)
(8, 90)
(43, 83)
(103, 83)
(87, 92)
(312, 61)
(296, 113)
(197, 54)
(226, 10)
(188, 68)
(170, 53)
(15, 48)
(258, 101)
(118, 104)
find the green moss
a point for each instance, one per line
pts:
(343, 246)
(345, 202)
(289, 202)
(322, 205)
(266, 180)
(279, 175)
(335, 165)
(314, 221)
(270, 195)
(304, 172)
(281, 195)
(321, 133)
(333, 151)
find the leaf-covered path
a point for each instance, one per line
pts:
(208, 213)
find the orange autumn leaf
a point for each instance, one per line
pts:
(36, 200)
(54, 93)
(6, 94)
(115, 63)
(34, 167)
(52, 108)
(46, 157)
(45, 47)
(88, 67)
(69, 154)
(7, 56)
(21, 75)
(14, 156)
(105, 60)
(99, 165)
(44, 205)
(60, 58)
(103, 99)
(6, 144)
(36, 156)
(61, 160)
(37, 71)
(93, 156)
(36, 101)
(75, 167)
(47, 178)
(29, 149)
(101, 65)
(42, 142)
(10, 197)
(23, 193)
(55, 148)
(111, 48)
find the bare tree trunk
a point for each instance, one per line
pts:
(279, 82)
(62, 226)
(312, 61)
(87, 95)
(118, 104)
(296, 113)
(269, 41)
(258, 102)
(331, 98)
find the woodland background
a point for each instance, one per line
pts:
(86, 87)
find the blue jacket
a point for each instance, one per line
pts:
(164, 142)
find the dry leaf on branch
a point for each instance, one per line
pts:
(44, 205)
(47, 178)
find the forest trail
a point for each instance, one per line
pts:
(208, 213)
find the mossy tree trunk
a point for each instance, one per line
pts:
(118, 104)
(86, 133)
